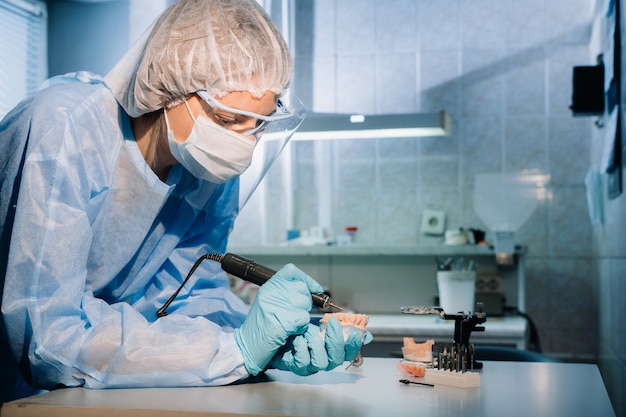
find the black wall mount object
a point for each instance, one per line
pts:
(588, 90)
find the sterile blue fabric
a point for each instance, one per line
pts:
(99, 243)
(280, 310)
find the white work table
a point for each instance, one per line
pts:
(507, 389)
(498, 330)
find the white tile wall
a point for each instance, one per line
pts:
(524, 22)
(487, 34)
(397, 26)
(502, 69)
(439, 80)
(525, 148)
(438, 24)
(396, 83)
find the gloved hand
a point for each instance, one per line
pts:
(302, 354)
(340, 350)
(310, 353)
(280, 309)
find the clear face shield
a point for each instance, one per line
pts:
(274, 137)
(272, 134)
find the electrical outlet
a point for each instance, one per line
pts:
(433, 222)
(488, 284)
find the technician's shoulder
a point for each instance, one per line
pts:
(69, 94)
(74, 114)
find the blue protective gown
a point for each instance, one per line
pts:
(94, 243)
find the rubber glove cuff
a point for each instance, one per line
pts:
(248, 360)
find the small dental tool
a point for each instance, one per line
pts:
(407, 382)
(245, 269)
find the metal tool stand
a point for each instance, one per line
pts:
(464, 325)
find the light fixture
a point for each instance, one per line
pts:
(319, 126)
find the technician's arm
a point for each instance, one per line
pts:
(54, 321)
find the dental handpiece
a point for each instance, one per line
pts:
(255, 273)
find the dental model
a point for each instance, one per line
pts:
(417, 352)
(416, 356)
(358, 321)
(412, 368)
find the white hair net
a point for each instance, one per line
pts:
(215, 45)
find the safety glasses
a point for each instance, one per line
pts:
(263, 121)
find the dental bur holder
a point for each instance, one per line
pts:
(464, 325)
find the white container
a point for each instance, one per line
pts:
(457, 291)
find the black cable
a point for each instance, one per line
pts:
(534, 342)
(211, 256)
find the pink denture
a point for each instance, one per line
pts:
(348, 319)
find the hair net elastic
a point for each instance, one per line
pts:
(215, 45)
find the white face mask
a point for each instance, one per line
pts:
(212, 152)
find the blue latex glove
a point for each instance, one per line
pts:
(302, 354)
(280, 309)
(310, 353)
(340, 350)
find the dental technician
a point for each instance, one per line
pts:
(111, 188)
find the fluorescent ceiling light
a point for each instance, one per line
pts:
(319, 126)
